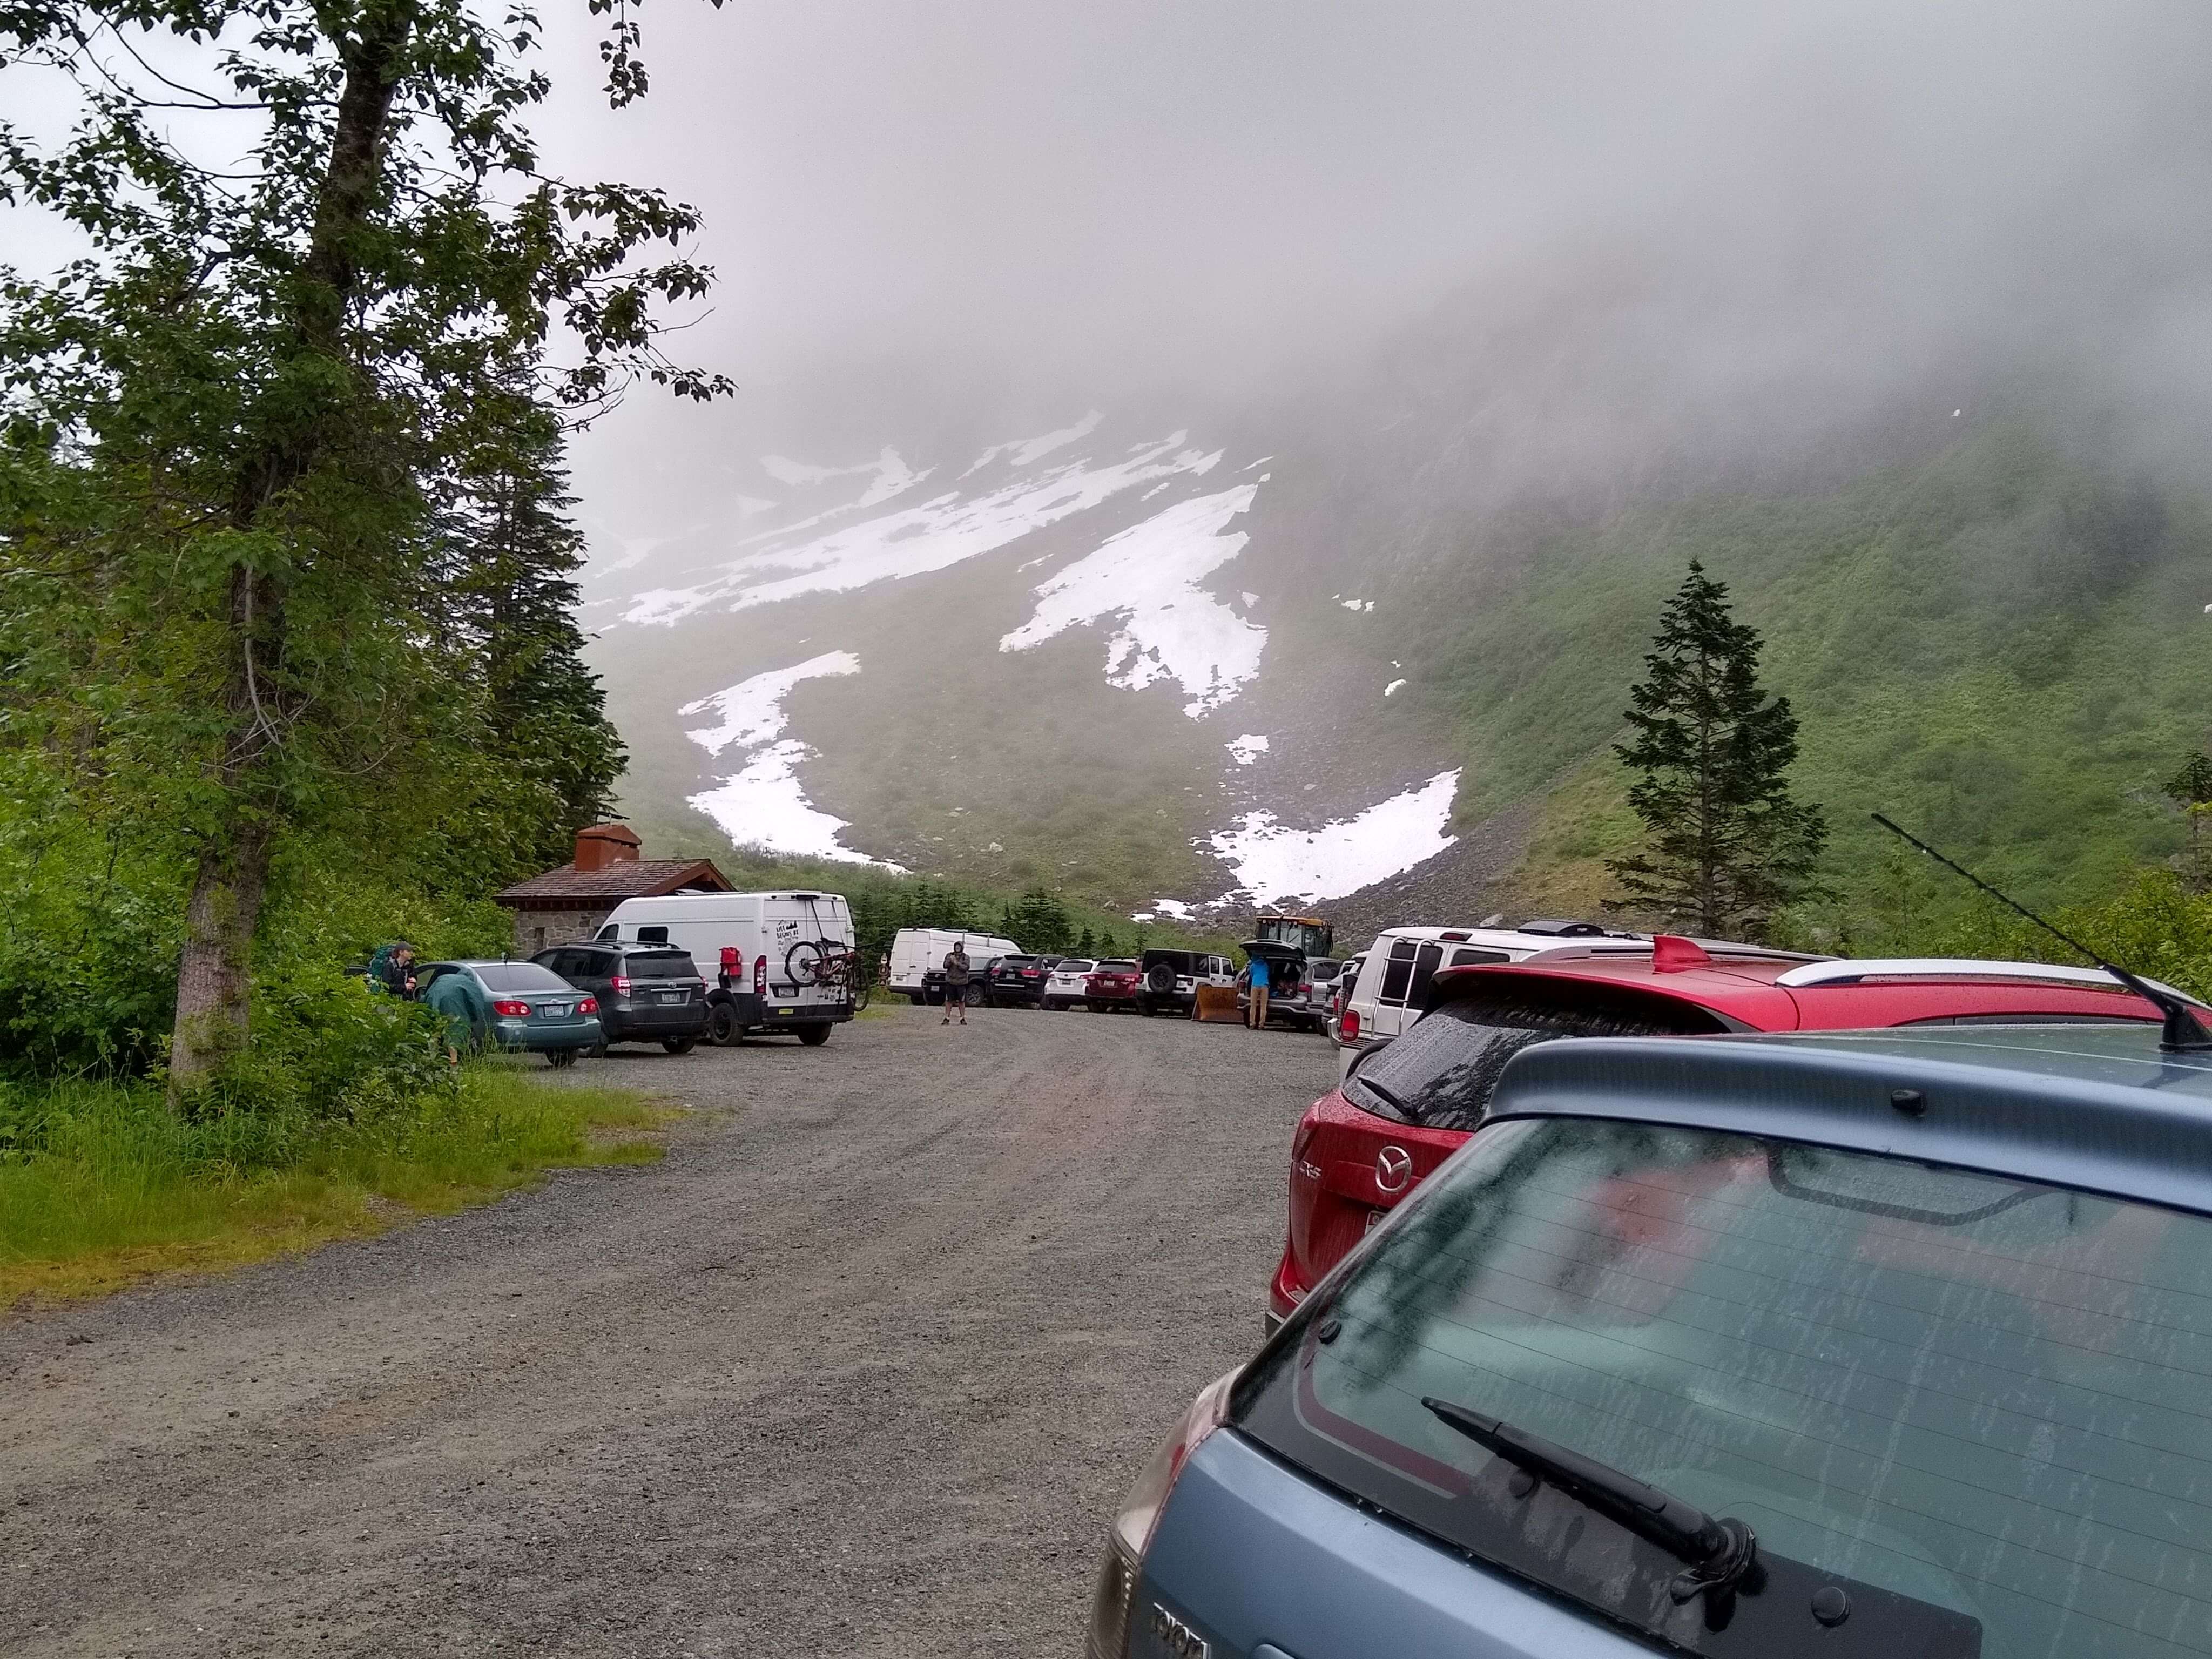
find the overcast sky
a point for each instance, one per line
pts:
(1094, 187)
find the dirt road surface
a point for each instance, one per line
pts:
(859, 1370)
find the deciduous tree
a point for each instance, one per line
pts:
(228, 423)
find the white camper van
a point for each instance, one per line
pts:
(773, 961)
(918, 961)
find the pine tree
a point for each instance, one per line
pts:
(1726, 846)
(1086, 947)
(1108, 946)
(2190, 789)
(514, 551)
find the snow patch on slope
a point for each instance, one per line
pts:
(763, 804)
(930, 536)
(752, 710)
(1247, 749)
(1148, 577)
(1274, 863)
(1028, 452)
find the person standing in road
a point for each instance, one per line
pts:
(956, 981)
(1257, 1015)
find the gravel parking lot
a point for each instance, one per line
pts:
(859, 1369)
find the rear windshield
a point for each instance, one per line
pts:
(1074, 965)
(660, 965)
(1977, 1406)
(521, 976)
(1018, 961)
(1116, 967)
(1443, 1072)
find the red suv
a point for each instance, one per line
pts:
(1407, 1105)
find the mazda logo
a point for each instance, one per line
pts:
(1393, 1167)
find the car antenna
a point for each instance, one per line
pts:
(2182, 1030)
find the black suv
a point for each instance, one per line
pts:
(646, 992)
(1168, 981)
(1015, 982)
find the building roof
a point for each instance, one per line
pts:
(569, 888)
(2101, 1108)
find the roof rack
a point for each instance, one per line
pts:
(1846, 972)
(1618, 945)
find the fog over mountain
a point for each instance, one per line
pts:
(1107, 370)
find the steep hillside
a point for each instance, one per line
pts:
(1158, 672)
(2002, 645)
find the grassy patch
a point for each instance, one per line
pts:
(112, 1188)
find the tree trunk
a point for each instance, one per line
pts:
(214, 981)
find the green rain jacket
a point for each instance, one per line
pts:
(466, 1009)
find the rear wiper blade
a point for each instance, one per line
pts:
(1722, 1555)
(1412, 1114)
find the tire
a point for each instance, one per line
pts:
(723, 1030)
(814, 1036)
(1146, 1010)
(680, 1045)
(561, 1058)
(919, 999)
(973, 996)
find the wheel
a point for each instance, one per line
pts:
(560, 1059)
(1146, 1010)
(723, 1029)
(814, 1036)
(919, 999)
(973, 996)
(678, 1045)
(860, 994)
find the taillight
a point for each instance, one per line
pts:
(588, 1005)
(1348, 1027)
(759, 974)
(1139, 1517)
(511, 1010)
(619, 985)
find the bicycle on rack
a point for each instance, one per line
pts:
(829, 964)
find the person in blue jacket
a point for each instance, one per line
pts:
(1256, 1015)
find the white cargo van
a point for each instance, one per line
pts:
(773, 961)
(918, 960)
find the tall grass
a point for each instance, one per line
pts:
(100, 1184)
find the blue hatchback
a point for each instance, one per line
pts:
(1890, 1344)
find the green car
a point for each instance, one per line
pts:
(518, 1006)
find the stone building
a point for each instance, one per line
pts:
(573, 902)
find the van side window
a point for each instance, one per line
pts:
(1426, 961)
(1467, 957)
(611, 930)
(652, 936)
(1398, 973)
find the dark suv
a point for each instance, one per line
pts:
(646, 992)
(1015, 982)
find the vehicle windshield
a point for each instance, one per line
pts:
(1443, 1072)
(661, 964)
(1967, 1402)
(521, 976)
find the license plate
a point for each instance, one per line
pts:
(554, 1010)
(786, 1010)
(671, 996)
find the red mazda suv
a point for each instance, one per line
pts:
(1408, 1105)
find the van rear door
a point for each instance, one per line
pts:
(804, 934)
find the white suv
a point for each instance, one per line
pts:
(1064, 988)
(1394, 977)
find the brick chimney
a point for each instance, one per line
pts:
(603, 844)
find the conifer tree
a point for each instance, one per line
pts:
(1726, 846)
(2190, 789)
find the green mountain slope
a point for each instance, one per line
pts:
(2002, 645)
